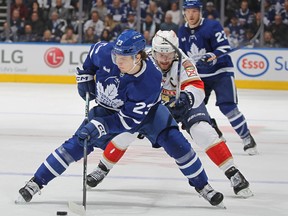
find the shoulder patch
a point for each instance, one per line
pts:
(191, 71)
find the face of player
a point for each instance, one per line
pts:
(192, 16)
(128, 64)
(164, 60)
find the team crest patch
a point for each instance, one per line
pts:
(191, 71)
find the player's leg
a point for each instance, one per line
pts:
(226, 99)
(206, 137)
(163, 131)
(111, 155)
(217, 150)
(54, 165)
(59, 160)
(189, 164)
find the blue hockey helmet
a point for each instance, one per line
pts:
(192, 4)
(129, 42)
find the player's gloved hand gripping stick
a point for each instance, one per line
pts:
(213, 58)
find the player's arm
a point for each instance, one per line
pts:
(191, 83)
(86, 76)
(192, 90)
(219, 41)
(219, 45)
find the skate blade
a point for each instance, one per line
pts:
(221, 205)
(77, 209)
(252, 151)
(20, 200)
(245, 193)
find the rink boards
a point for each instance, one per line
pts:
(56, 63)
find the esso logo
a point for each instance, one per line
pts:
(253, 64)
(54, 57)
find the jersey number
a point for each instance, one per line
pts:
(221, 36)
(139, 109)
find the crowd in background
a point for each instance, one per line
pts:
(58, 20)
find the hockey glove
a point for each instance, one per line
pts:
(92, 131)
(180, 108)
(206, 61)
(86, 83)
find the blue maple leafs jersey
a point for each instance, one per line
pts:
(131, 96)
(209, 36)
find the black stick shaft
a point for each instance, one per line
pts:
(85, 154)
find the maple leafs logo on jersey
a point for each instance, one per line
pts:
(108, 95)
(195, 53)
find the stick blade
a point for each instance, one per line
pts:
(77, 209)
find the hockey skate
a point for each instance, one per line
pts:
(96, 177)
(28, 191)
(213, 197)
(250, 145)
(239, 183)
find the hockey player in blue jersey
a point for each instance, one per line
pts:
(127, 89)
(192, 114)
(202, 40)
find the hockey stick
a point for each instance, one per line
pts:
(241, 45)
(85, 153)
(81, 210)
(178, 69)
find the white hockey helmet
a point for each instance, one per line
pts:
(159, 44)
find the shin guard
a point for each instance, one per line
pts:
(111, 155)
(220, 155)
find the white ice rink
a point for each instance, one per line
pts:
(37, 118)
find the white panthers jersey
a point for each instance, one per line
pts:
(189, 79)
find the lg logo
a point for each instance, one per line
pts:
(54, 57)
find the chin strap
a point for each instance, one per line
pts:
(135, 64)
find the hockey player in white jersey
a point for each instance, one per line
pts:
(190, 111)
(202, 40)
(127, 87)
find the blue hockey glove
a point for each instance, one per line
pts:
(180, 108)
(86, 83)
(92, 131)
(206, 61)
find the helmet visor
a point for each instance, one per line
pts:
(117, 58)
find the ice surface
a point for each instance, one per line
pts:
(36, 118)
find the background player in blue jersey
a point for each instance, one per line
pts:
(127, 89)
(202, 40)
(193, 115)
